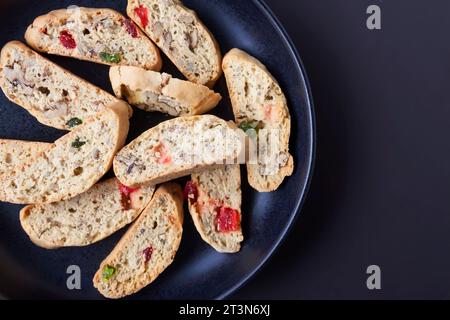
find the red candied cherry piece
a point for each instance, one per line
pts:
(125, 193)
(227, 220)
(142, 13)
(191, 191)
(148, 254)
(164, 157)
(131, 28)
(67, 40)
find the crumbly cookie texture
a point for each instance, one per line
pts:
(89, 217)
(160, 92)
(259, 105)
(215, 199)
(147, 248)
(72, 165)
(54, 96)
(178, 147)
(14, 153)
(99, 35)
(180, 34)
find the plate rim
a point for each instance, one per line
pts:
(268, 12)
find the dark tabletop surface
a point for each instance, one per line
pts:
(381, 189)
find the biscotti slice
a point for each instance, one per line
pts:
(72, 165)
(147, 248)
(260, 107)
(180, 34)
(176, 148)
(54, 96)
(153, 91)
(14, 153)
(215, 205)
(89, 217)
(99, 35)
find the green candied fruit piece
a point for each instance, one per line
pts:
(108, 273)
(110, 57)
(78, 143)
(74, 122)
(246, 126)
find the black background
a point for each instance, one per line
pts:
(381, 188)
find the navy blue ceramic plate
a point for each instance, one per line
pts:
(198, 272)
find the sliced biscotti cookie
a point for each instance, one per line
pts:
(147, 248)
(180, 34)
(89, 217)
(14, 153)
(54, 96)
(177, 148)
(215, 198)
(72, 165)
(260, 107)
(153, 91)
(98, 35)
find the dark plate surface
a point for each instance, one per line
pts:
(27, 271)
